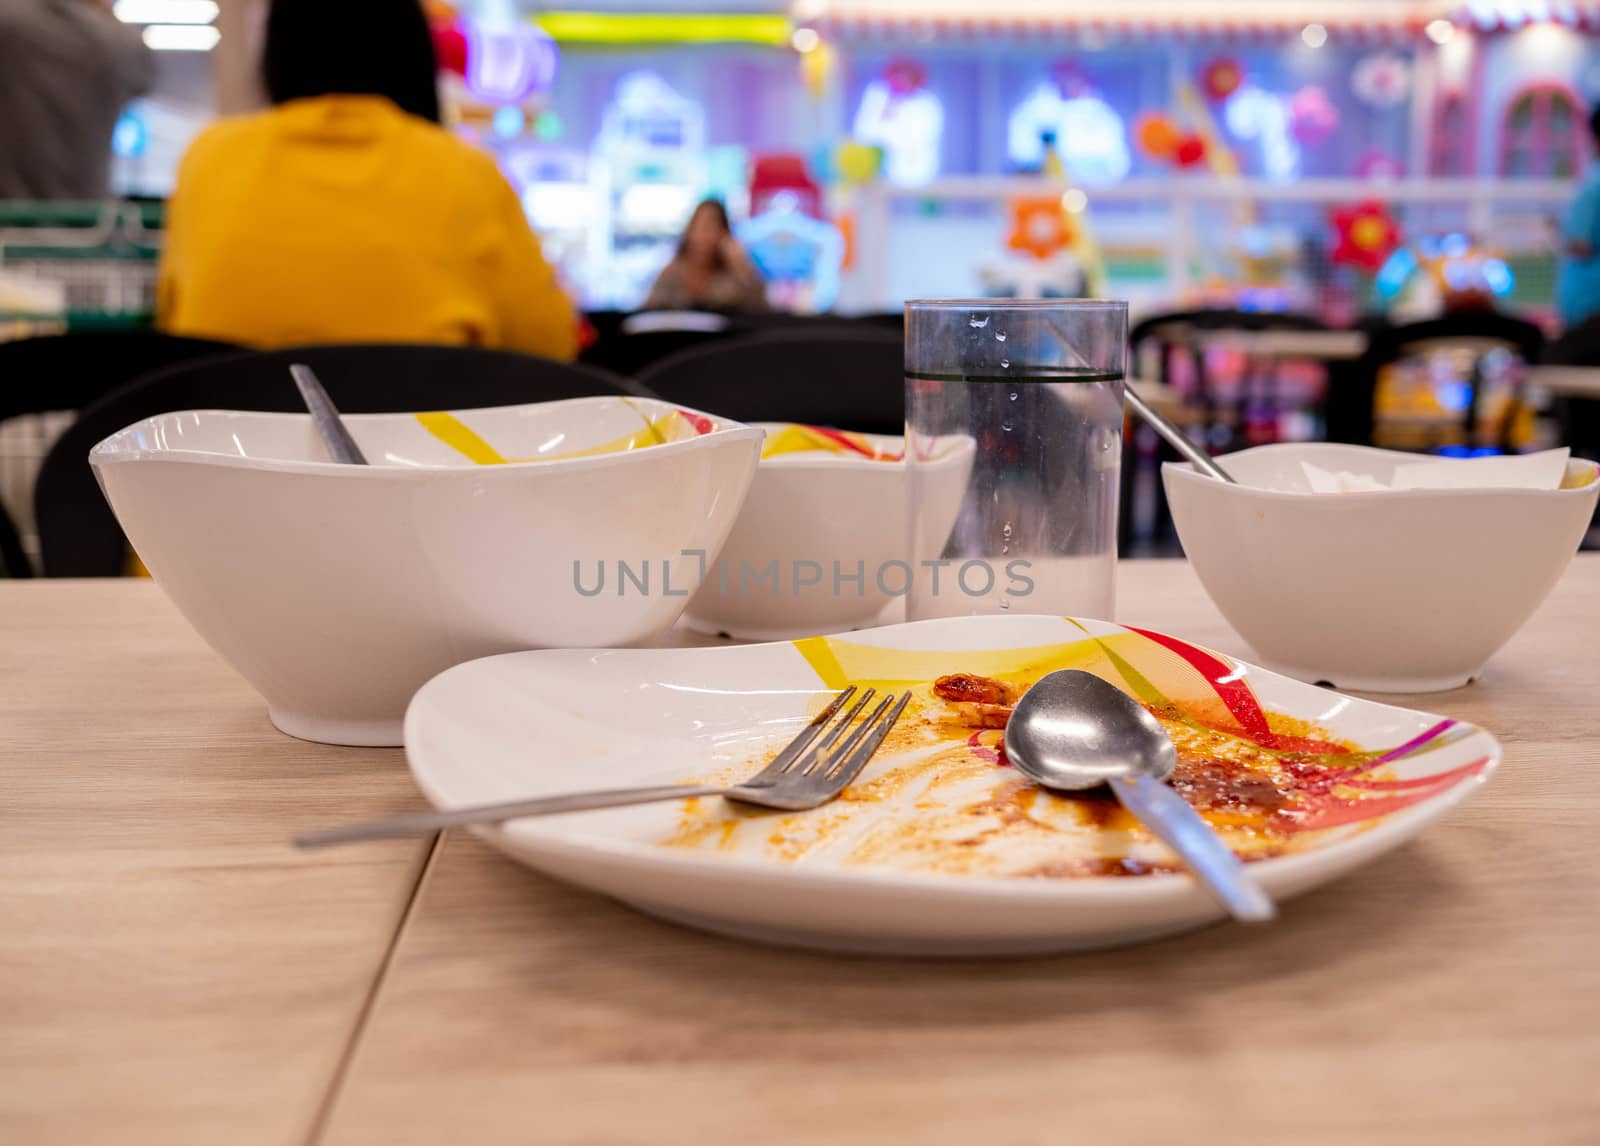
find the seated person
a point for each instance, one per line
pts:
(345, 212)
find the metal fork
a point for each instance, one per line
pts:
(812, 769)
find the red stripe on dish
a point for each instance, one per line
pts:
(701, 423)
(1236, 694)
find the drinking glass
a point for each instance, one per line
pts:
(1013, 450)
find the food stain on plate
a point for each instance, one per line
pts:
(941, 798)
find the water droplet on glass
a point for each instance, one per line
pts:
(1004, 602)
(1006, 531)
(999, 336)
(1013, 395)
(978, 323)
(1006, 425)
(1004, 363)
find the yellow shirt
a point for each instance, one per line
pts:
(343, 219)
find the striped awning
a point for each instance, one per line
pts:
(1110, 21)
(1508, 15)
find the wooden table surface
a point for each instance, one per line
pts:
(172, 972)
(1316, 345)
(1567, 381)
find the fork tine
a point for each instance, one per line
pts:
(828, 757)
(792, 751)
(850, 766)
(839, 728)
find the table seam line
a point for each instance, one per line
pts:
(323, 1115)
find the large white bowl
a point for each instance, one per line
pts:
(834, 526)
(1387, 591)
(338, 590)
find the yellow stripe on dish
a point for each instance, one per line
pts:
(456, 434)
(798, 439)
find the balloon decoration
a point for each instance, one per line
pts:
(1366, 235)
(1039, 226)
(856, 163)
(1158, 137)
(1381, 80)
(450, 46)
(1312, 116)
(1221, 77)
(816, 69)
(1191, 150)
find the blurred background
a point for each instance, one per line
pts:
(875, 150)
(1370, 221)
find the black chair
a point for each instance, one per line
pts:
(78, 534)
(842, 376)
(1351, 417)
(68, 372)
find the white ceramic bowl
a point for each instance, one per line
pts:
(815, 513)
(338, 590)
(1387, 591)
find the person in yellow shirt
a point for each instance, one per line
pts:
(345, 213)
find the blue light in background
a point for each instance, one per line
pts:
(130, 138)
(508, 122)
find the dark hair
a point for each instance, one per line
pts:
(716, 208)
(352, 47)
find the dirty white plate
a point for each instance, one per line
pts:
(947, 857)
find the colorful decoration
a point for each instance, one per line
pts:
(799, 256)
(504, 61)
(1375, 163)
(857, 163)
(783, 176)
(900, 115)
(1254, 114)
(816, 69)
(905, 77)
(450, 47)
(1367, 235)
(1039, 226)
(1221, 77)
(1157, 135)
(508, 63)
(1089, 137)
(1190, 151)
(1312, 116)
(1442, 274)
(656, 28)
(1381, 80)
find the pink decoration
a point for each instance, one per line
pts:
(1312, 116)
(905, 76)
(1376, 163)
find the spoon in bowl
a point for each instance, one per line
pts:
(325, 416)
(1175, 437)
(1072, 731)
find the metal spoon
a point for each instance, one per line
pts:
(1175, 437)
(326, 417)
(1072, 731)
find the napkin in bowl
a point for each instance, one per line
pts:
(1544, 470)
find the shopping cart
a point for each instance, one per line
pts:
(66, 267)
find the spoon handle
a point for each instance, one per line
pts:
(335, 435)
(1174, 436)
(1180, 827)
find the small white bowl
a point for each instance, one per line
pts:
(1384, 591)
(338, 590)
(817, 513)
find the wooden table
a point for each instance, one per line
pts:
(1566, 381)
(1311, 345)
(172, 972)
